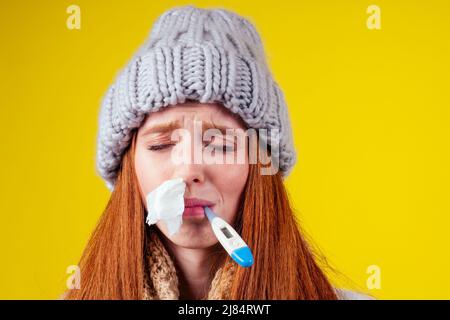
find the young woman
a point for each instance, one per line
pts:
(207, 67)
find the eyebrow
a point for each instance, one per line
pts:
(170, 126)
(162, 128)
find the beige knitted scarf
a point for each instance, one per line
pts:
(161, 279)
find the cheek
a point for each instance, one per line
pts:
(231, 183)
(148, 178)
(233, 177)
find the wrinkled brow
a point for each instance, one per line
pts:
(170, 126)
(162, 128)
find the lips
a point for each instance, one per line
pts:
(194, 207)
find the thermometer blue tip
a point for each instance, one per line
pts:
(243, 256)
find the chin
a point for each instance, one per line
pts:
(195, 243)
(193, 236)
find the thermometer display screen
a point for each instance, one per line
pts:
(226, 232)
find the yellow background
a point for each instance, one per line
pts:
(370, 111)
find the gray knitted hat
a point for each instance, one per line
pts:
(207, 55)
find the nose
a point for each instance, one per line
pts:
(191, 173)
(189, 166)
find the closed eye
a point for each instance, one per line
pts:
(221, 148)
(224, 148)
(160, 147)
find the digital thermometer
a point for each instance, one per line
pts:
(230, 239)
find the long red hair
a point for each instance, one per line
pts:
(285, 267)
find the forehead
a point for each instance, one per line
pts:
(190, 111)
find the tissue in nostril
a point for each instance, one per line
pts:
(166, 203)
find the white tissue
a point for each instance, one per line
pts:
(166, 203)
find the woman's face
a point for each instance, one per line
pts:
(221, 183)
